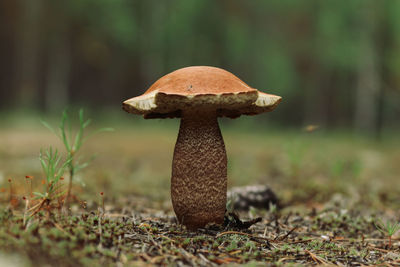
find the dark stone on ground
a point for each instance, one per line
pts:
(257, 196)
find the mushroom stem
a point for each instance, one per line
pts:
(199, 171)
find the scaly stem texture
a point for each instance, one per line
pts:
(199, 170)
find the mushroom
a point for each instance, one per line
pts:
(199, 95)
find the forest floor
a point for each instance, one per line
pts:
(340, 198)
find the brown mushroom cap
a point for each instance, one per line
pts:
(200, 86)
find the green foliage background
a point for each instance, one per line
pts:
(336, 62)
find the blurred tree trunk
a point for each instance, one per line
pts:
(151, 19)
(369, 83)
(27, 54)
(8, 25)
(315, 98)
(58, 69)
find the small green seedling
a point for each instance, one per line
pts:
(388, 229)
(73, 143)
(53, 168)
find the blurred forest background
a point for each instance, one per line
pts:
(336, 63)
